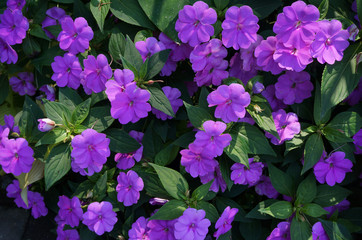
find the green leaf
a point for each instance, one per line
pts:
(29, 120)
(143, 35)
(211, 212)
(99, 118)
(221, 4)
(335, 135)
(55, 136)
(225, 165)
(47, 57)
(348, 123)
(100, 9)
(117, 45)
(329, 196)
(156, 63)
(313, 151)
(280, 210)
(153, 185)
(197, 115)
(261, 8)
(159, 100)
(31, 47)
(281, 181)
(132, 55)
(100, 188)
(81, 112)
(258, 211)
(37, 31)
(359, 10)
(317, 113)
(201, 192)
(57, 164)
(4, 88)
(84, 189)
(55, 111)
(300, 230)
(167, 155)
(323, 9)
(54, 30)
(307, 190)
(174, 183)
(121, 142)
(69, 97)
(314, 210)
(297, 142)
(339, 79)
(335, 231)
(171, 210)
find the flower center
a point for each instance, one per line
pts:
(284, 126)
(75, 35)
(228, 102)
(100, 217)
(239, 26)
(294, 85)
(16, 156)
(328, 42)
(298, 24)
(196, 23)
(294, 52)
(131, 103)
(90, 147)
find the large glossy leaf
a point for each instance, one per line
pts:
(99, 9)
(159, 100)
(121, 142)
(313, 151)
(347, 123)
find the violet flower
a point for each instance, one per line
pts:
(15, 4)
(100, 217)
(10, 123)
(192, 225)
(67, 71)
(45, 124)
(121, 79)
(357, 140)
(223, 224)
(14, 191)
(240, 174)
(247, 55)
(129, 187)
(23, 84)
(173, 95)
(318, 232)
(281, 232)
(139, 230)
(161, 229)
(212, 74)
(264, 55)
(264, 187)
(218, 183)
(36, 201)
(236, 69)
(70, 210)
(54, 16)
(13, 26)
(49, 92)
(127, 160)
(7, 53)
(274, 102)
(149, 47)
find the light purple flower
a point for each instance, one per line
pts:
(247, 55)
(139, 230)
(13, 26)
(149, 47)
(281, 232)
(231, 102)
(218, 182)
(4, 134)
(212, 74)
(75, 35)
(274, 102)
(96, 72)
(318, 232)
(15, 4)
(357, 140)
(194, 23)
(121, 79)
(223, 224)
(49, 92)
(14, 191)
(36, 201)
(161, 229)
(10, 123)
(239, 27)
(264, 55)
(7, 53)
(333, 169)
(100, 217)
(240, 174)
(293, 87)
(264, 187)
(67, 71)
(192, 225)
(45, 124)
(23, 84)
(158, 201)
(236, 69)
(70, 210)
(127, 160)
(129, 187)
(173, 95)
(54, 17)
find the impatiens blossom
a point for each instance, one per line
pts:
(158, 201)
(36, 201)
(192, 225)
(356, 95)
(287, 126)
(53, 17)
(75, 35)
(45, 124)
(16, 156)
(13, 26)
(297, 25)
(239, 27)
(100, 217)
(318, 232)
(236, 69)
(293, 87)
(264, 55)
(212, 74)
(247, 55)
(7, 53)
(121, 79)
(10, 123)
(90, 150)
(161, 229)
(330, 42)
(353, 32)
(258, 87)
(14, 191)
(274, 102)
(173, 95)
(281, 232)
(292, 58)
(218, 183)
(127, 160)
(223, 224)
(96, 72)
(139, 230)
(231, 102)
(4, 134)
(333, 169)
(48, 91)
(129, 187)
(264, 187)
(15, 4)
(357, 140)
(194, 23)
(67, 71)
(70, 234)
(149, 47)
(23, 84)
(70, 210)
(240, 174)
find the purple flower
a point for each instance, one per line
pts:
(49, 92)
(247, 55)
(16, 156)
(231, 102)
(192, 225)
(66, 71)
(356, 95)
(240, 174)
(239, 27)
(23, 84)
(287, 126)
(264, 55)
(173, 95)
(236, 69)
(318, 232)
(15, 4)
(223, 224)
(129, 187)
(71, 234)
(354, 9)
(258, 88)
(264, 187)
(70, 210)
(13, 26)
(292, 58)
(293, 87)
(10, 123)
(96, 72)
(194, 23)
(121, 79)
(149, 47)
(218, 182)
(7, 53)
(161, 229)
(297, 25)
(14, 191)
(100, 217)
(353, 32)
(36, 201)
(212, 74)
(75, 36)
(281, 232)
(46, 124)
(333, 169)
(357, 140)
(341, 206)
(274, 102)
(4, 134)
(54, 16)
(127, 160)
(158, 201)
(330, 42)
(90, 150)
(139, 230)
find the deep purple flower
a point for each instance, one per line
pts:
(100, 217)
(357, 140)
(258, 87)
(129, 187)
(121, 79)
(36, 201)
(231, 102)
(161, 229)
(236, 69)
(70, 234)
(291, 58)
(16, 156)
(354, 9)
(264, 55)
(212, 74)
(264, 187)
(297, 25)
(318, 232)
(13, 26)
(67, 71)
(14, 191)
(4, 134)
(75, 35)
(330, 42)
(274, 102)
(287, 126)
(192, 225)
(15, 4)
(218, 182)
(70, 210)
(353, 32)
(49, 92)
(239, 27)
(341, 206)
(127, 160)
(54, 17)
(173, 95)
(96, 72)
(223, 224)
(333, 169)
(139, 230)
(23, 84)
(356, 95)
(293, 87)
(10, 123)
(194, 23)
(7, 53)
(149, 47)
(247, 55)
(281, 232)
(90, 150)
(240, 174)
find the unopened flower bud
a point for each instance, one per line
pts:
(158, 201)
(45, 124)
(258, 87)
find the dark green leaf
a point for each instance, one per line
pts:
(156, 63)
(81, 112)
(225, 165)
(221, 4)
(4, 88)
(100, 188)
(317, 113)
(261, 8)
(31, 47)
(200, 192)
(329, 196)
(323, 9)
(258, 211)
(335, 135)
(37, 31)
(69, 97)
(197, 115)
(83, 189)
(54, 30)
(281, 181)
(300, 230)
(56, 110)
(117, 45)
(153, 185)
(211, 212)
(335, 231)
(167, 155)
(171, 210)
(348, 123)
(359, 10)
(99, 9)
(312, 151)
(314, 210)
(159, 100)
(143, 35)
(55, 136)
(29, 120)
(47, 57)
(99, 118)
(121, 142)
(132, 55)
(307, 190)
(280, 210)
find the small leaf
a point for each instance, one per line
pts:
(69, 97)
(335, 231)
(323, 9)
(132, 55)
(171, 210)
(258, 211)
(314, 210)
(335, 135)
(121, 142)
(100, 188)
(280, 210)
(159, 100)
(99, 118)
(197, 115)
(348, 123)
(117, 45)
(156, 63)
(167, 155)
(329, 196)
(313, 151)
(300, 230)
(211, 212)
(100, 9)
(55, 111)
(55, 136)
(200, 192)
(221, 4)
(307, 190)
(281, 181)
(81, 112)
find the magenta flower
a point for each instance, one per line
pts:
(274, 102)
(192, 225)
(36, 201)
(121, 79)
(264, 187)
(240, 174)
(15, 4)
(291, 58)
(239, 27)
(173, 95)
(297, 25)
(161, 229)
(129, 187)
(70, 210)
(287, 126)
(357, 140)
(281, 232)
(149, 47)
(223, 224)
(139, 230)
(318, 232)
(13, 26)
(212, 74)
(14, 191)
(100, 217)
(330, 42)
(333, 169)
(45, 124)
(96, 72)
(236, 69)
(264, 55)
(75, 35)
(23, 84)
(90, 150)
(218, 182)
(231, 102)
(66, 71)
(54, 16)
(10, 123)
(194, 23)
(7, 53)
(293, 87)
(127, 160)
(49, 92)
